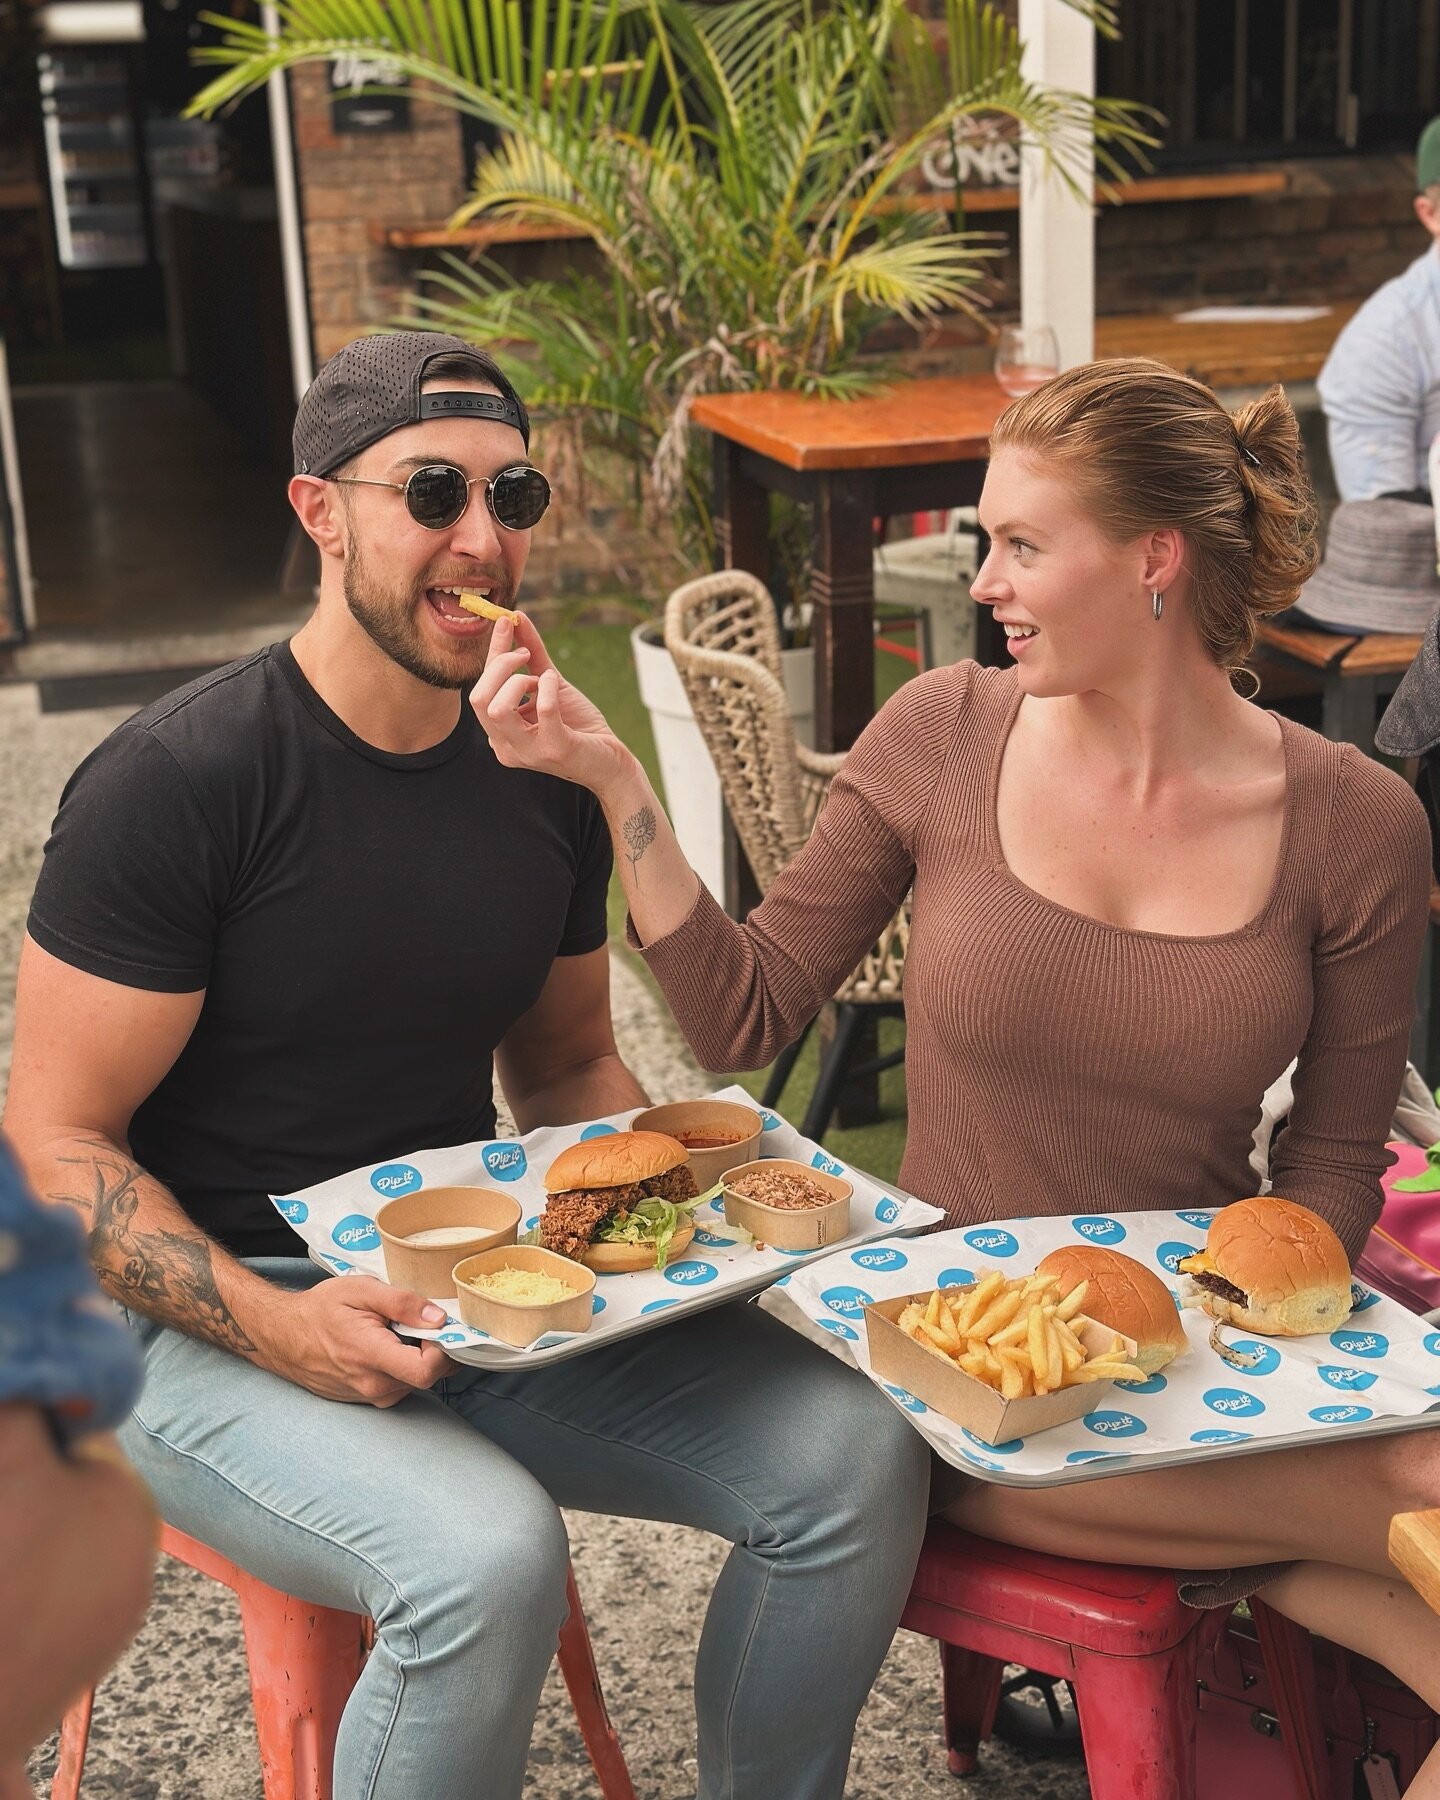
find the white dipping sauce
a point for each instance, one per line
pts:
(445, 1234)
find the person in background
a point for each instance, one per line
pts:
(1380, 386)
(77, 1526)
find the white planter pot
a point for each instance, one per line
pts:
(692, 787)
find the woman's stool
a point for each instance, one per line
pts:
(305, 1659)
(1122, 1637)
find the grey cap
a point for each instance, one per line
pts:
(372, 387)
(1379, 571)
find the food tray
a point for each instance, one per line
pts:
(336, 1220)
(1379, 1372)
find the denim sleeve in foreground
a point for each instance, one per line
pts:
(62, 1346)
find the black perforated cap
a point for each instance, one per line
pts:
(372, 387)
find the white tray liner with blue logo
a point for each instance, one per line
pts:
(336, 1220)
(1379, 1373)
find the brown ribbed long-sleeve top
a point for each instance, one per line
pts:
(1059, 1064)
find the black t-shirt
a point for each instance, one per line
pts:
(366, 927)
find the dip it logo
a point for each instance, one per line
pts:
(1215, 1436)
(906, 1399)
(768, 1120)
(1099, 1230)
(827, 1165)
(1234, 1403)
(1169, 1255)
(948, 1278)
(991, 1242)
(839, 1327)
(691, 1274)
(1200, 1220)
(396, 1178)
(1362, 1298)
(595, 1131)
(1114, 1424)
(296, 1212)
(1360, 1343)
(879, 1259)
(887, 1210)
(1340, 1415)
(1347, 1380)
(506, 1162)
(1260, 1359)
(356, 1232)
(849, 1302)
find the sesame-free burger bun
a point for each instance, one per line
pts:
(619, 1259)
(614, 1161)
(1124, 1295)
(1274, 1268)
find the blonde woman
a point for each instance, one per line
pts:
(1136, 898)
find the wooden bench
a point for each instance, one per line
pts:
(1351, 673)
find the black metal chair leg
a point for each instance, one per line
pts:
(780, 1072)
(834, 1069)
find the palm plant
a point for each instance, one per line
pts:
(741, 169)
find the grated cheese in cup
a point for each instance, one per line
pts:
(522, 1287)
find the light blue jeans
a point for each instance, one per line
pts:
(439, 1520)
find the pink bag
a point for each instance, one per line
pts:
(1402, 1255)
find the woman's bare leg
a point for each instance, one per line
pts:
(1384, 1619)
(1330, 1504)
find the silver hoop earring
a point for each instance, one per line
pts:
(1157, 603)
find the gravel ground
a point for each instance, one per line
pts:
(173, 1721)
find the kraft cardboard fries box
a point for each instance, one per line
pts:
(896, 1357)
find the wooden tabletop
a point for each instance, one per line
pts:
(1415, 1552)
(1228, 352)
(948, 419)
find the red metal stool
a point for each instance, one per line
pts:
(305, 1659)
(1121, 1635)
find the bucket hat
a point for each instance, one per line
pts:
(1378, 572)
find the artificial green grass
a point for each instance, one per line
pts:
(597, 658)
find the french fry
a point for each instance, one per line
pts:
(1039, 1350)
(977, 1300)
(1000, 1312)
(939, 1321)
(1015, 1374)
(1072, 1302)
(926, 1333)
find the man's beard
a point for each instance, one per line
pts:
(389, 620)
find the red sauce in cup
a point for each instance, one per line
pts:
(695, 1140)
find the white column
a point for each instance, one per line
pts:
(287, 203)
(1057, 227)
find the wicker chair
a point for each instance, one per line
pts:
(721, 630)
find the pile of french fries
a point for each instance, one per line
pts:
(1015, 1335)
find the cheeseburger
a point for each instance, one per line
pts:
(1272, 1267)
(619, 1202)
(1124, 1295)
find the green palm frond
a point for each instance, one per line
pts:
(740, 167)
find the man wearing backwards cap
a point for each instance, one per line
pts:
(287, 917)
(1380, 386)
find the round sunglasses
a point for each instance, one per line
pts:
(437, 494)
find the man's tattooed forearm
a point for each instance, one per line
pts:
(639, 834)
(165, 1274)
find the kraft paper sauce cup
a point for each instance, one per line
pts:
(487, 1218)
(740, 1125)
(511, 1321)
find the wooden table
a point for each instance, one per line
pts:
(915, 447)
(1354, 671)
(1415, 1552)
